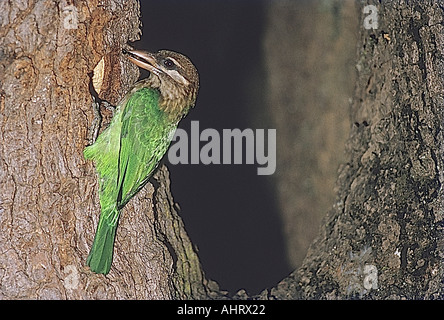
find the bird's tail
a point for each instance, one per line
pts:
(101, 254)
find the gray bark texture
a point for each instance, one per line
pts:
(383, 237)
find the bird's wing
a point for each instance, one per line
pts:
(143, 142)
(105, 152)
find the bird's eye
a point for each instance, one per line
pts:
(168, 63)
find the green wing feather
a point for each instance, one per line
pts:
(126, 154)
(145, 137)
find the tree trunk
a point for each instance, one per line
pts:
(49, 205)
(383, 238)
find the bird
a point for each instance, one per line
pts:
(128, 151)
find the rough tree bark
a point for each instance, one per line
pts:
(48, 200)
(383, 238)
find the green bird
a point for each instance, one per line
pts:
(129, 150)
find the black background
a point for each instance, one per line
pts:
(229, 211)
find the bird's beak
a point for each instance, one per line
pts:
(143, 59)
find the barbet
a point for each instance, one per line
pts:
(129, 150)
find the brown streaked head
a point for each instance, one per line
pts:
(173, 74)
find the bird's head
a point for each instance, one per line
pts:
(173, 74)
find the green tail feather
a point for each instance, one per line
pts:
(101, 254)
